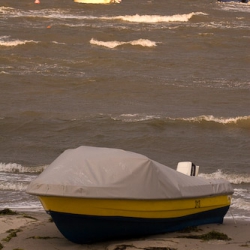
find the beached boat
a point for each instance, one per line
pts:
(97, 1)
(96, 194)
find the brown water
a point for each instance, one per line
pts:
(163, 78)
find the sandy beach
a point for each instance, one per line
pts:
(35, 230)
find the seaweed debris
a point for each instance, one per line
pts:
(213, 235)
(7, 211)
(12, 233)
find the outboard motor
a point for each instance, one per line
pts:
(188, 168)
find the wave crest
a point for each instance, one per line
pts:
(243, 121)
(5, 10)
(240, 121)
(222, 120)
(13, 43)
(232, 178)
(155, 18)
(113, 44)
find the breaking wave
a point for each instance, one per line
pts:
(4, 41)
(241, 197)
(60, 14)
(240, 204)
(235, 6)
(240, 121)
(232, 178)
(113, 44)
(13, 186)
(154, 18)
(5, 10)
(222, 120)
(17, 168)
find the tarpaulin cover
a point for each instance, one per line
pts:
(93, 172)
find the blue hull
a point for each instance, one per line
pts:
(84, 229)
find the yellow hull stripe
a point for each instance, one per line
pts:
(133, 208)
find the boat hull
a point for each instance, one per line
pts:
(84, 229)
(92, 220)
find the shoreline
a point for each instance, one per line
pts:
(35, 230)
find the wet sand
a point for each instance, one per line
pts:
(34, 230)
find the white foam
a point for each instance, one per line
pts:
(60, 14)
(242, 121)
(55, 42)
(14, 43)
(134, 117)
(232, 178)
(5, 10)
(13, 186)
(232, 216)
(113, 44)
(240, 203)
(110, 44)
(143, 42)
(235, 6)
(222, 120)
(17, 168)
(242, 193)
(155, 18)
(24, 206)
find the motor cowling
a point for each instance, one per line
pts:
(188, 168)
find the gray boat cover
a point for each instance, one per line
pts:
(93, 172)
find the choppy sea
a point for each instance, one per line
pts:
(167, 79)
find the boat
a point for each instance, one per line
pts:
(97, 1)
(97, 194)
